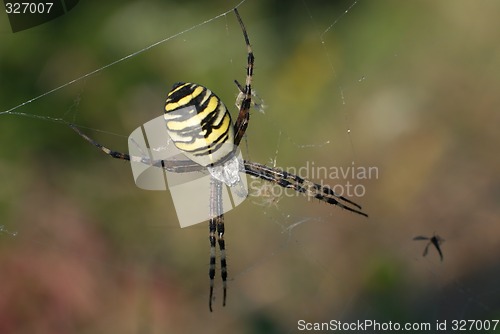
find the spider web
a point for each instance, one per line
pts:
(330, 93)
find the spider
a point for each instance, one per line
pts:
(199, 124)
(435, 240)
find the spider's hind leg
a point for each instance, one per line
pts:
(211, 270)
(222, 248)
(216, 233)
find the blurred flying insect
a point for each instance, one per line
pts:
(435, 240)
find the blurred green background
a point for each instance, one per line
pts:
(416, 83)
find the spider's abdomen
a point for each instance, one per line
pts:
(199, 124)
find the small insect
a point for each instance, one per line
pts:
(200, 125)
(435, 240)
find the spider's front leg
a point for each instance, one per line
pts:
(241, 124)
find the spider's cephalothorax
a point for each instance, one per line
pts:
(199, 124)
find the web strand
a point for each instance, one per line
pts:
(102, 68)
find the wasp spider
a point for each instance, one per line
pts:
(200, 125)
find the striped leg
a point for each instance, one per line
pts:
(222, 248)
(295, 182)
(241, 124)
(211, 270)
(216, 232)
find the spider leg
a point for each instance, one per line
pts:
(175, 166)
(211, 270)
(240, 87)
(113, 154)
(295, 182)
(244, 114)
(223, 262)
(216, 233)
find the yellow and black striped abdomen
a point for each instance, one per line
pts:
(199, 124)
